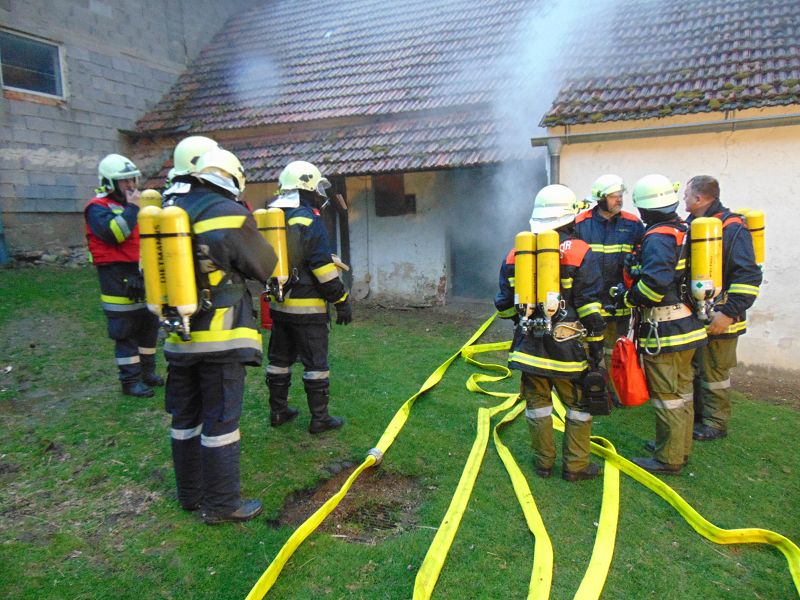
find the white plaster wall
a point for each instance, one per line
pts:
(402, 257)
(757, 168)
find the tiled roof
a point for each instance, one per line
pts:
(685, 56)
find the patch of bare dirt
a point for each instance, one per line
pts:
(380, 506)
(774, 386)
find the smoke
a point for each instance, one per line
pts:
(256, 81)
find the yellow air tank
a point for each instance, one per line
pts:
(272, 225)
(150, 197)
(755, 224)
(706, 278)
(176, 247)
(548, 272)
(151, 261)
(525, 272)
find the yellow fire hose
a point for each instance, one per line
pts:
(541, 576)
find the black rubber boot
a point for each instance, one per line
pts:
(137, 389)
(317, 394)
(279, 410)
(149, 376)
(222, 502)
(188, 472)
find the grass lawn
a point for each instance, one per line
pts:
(87, 498)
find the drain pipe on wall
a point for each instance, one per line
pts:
(554, 164)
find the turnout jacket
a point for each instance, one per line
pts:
(112, 233)
(741, 275)
(668, 324)
(581, 286)
(611, 241)
(228, 249)
(314, 277)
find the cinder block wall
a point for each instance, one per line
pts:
(119, 59)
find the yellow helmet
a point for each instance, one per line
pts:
(217, 163)
(188, 151)
(115, 167)
(655, 192)
(554, 206)
(302, 175)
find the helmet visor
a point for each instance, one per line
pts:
(322, 186)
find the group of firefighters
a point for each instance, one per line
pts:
(216, 334)
(613, 269)
(617, 271)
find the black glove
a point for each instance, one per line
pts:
(632, 266)
(344, 312)
(595, 324)
(134, 287)
(595, 392)
(595, 355)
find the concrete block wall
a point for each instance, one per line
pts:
(119, 59)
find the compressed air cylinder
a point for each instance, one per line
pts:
(755, 224)
(149, 197)
(272, 225)
(155, 287)
(525, 269)
(706, 236)
(176, 248)
(548, 272)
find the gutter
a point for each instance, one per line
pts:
(555, 142)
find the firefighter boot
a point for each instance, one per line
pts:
(317, 394)
(279, 410)
(137, 388)
(222, 502)
(188, 472)
(149, 375)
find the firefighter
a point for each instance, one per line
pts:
(300, 321)
(205, 383)
(613, 234)
(184, 159)
(668, 331)
(545, 363)
(741, 278)
(113, 236)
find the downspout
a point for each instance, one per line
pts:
(554, 153)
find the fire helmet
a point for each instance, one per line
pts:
(554, 206)
(188, 151)
(217, 163)
(115, 167)
(302, 175)
(607, 185)
(656, 193)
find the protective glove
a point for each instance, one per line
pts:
(595, 324)
(344, 312)
(595, 355)
(595, 393)
(617, 295)
(134, 287)
(632, 266)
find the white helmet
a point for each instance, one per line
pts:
(188, 152)
(115, 167)
(302, 175)
(554, 206)
(655, 192)
(607, 185)
(221, 168)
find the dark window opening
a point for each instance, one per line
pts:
(391, 199)
(30, 65)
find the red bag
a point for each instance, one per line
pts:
(266, 315)
(627, 375)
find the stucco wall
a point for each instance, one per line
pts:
(120, 58)
(757, 168)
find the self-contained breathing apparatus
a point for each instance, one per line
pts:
(537, 296)
(271, 223)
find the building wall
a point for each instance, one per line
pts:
(757, 168)
(120, 58)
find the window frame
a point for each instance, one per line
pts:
(401, 204)
(61, 75)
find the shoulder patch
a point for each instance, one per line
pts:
(573, 251)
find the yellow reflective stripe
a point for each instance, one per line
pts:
(674, 340)
(545, 363)
(649, 293)
(300, 221)
(566, 284)
(117, 230)
(218, 320)
(225, 335)
(233, 222)
(342, 299)
(512, 281)
(325, 273)
(743, 288)
(587, 309)
(594, 338)
(116, 299)
(214, 277)
(611, 248)
(681, 264)
(735, 327)
(303, 302)
(509, 312)
(619, 312)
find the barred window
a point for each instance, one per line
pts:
(30, 64)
